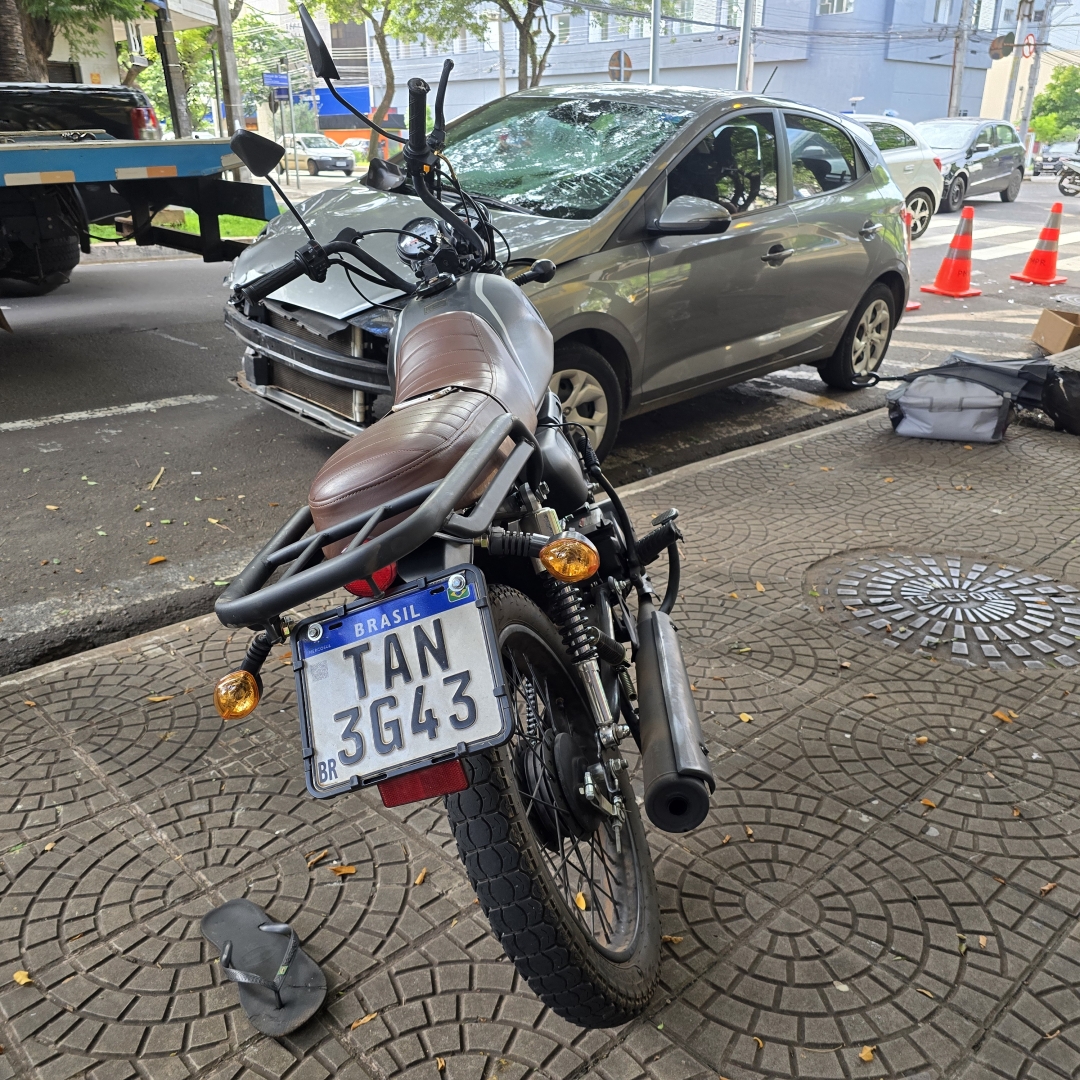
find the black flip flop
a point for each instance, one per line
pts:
(280, 986)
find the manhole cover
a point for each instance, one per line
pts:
(1067, 298)
(978, 614)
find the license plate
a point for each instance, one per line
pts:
(391, 686)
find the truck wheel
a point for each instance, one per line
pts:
(37, 271)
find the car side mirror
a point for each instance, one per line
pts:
(322, 63)
(689, 214)
(259, 154)
(383, 175)
(981, 147)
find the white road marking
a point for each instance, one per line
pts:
(970, 316)
(182, 341)
(1020, 247)
(1072, 263)
(996, 230)
(929, 346)
(114, 410)
(903, 328)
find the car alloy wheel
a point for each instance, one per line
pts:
(954, 196)
(583, 401)
(871, 338)
(1013, 190)
(922, 210)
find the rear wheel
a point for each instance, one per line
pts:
(954, 195)
(312, 168)
(589, 392)
(35, 271)
(921, 206)
(1069, 184)
(572, 900)
(1013, 190)
(863, 346)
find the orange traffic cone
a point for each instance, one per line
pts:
(1041, 267)
(954, 276)
(909, 217)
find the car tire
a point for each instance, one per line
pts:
(920, 204)
(865, 341)
(954, 195)
(348, 172)
(589, 391)
(1011, 193)
(312, 168)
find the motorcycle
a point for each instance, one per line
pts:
(492, 654)
(1069, 176)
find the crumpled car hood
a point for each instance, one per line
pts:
(358, 207)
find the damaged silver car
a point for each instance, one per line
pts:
(702, 237)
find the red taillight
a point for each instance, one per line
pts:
(144, 124)
(382, 578)
(937, 162)
(442, 779)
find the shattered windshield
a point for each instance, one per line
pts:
(557, 157)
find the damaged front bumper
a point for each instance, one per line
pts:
(330, 373)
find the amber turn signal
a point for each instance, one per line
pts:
(236, 694)
(570, 557)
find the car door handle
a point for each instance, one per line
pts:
(776, 255)
(870, 230)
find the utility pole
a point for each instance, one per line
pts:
(230, 79)
(502, 56)
(744, 72)
(1023, 13)
(1041, 41)
(175, 87)
(959, 57)
(654, 43)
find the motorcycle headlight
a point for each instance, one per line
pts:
(424, 235)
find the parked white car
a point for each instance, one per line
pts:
(317, 153)
(912, 164)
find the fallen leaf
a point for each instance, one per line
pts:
(659, 1027)
(842, 987)
(845, 663)
(318, 858)
(363, 1020)
(341, 871)
(167, 736)
(671, 939)
(77, 570)
(1052, 1034)
(921, 740)
(866, 696)
(749, 831)
(155, 560)
(1002, 715)
(745, 717)
(44, 562)
(153, 541)
(1016, 811)
(278, 504)
(1048, 887)
(161, 697)
(962, 947)
(966, 446)
(926, 993)
(1015, 716)
(50, 845)
(826, 468)
(48, 507)
(867, 1053)
(1000, 880)
(692, 686)
(890, 479)
(420, 877)
(759, 586)
(440, 1064)
(929, 803)
(154, 482)
(761, 1045)
(213, 521)
(814, 592)
(726, 839)
(22, 978)
(32, 704)
(733, 595)
(579, 901)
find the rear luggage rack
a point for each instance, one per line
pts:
(249, 601)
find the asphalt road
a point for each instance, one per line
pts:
(125, 372)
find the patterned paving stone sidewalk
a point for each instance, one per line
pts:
(892, 859)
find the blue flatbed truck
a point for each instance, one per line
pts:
(55, 184)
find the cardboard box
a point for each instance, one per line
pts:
(1057, 331)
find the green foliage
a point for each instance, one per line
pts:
(80, 20)
(1055, 113)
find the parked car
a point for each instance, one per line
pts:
(658, 295)
(911, 164)
(124, 112)
(1048, 159)
(316, 154)
(978, 157)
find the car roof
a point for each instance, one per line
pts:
(972, 120)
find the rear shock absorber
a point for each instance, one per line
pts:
(568, 611)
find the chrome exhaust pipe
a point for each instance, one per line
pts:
(678, 777)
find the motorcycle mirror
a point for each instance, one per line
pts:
(259, 154)
(383, 175)
(322, 63)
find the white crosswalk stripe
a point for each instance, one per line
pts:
(942, 240)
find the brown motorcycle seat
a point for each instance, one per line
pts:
(421, 442)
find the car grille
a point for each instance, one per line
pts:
(338, 342)
(338, 399)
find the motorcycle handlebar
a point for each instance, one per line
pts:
(265, 284)
(418, 92)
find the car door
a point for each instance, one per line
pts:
(843, 215)
(718, 302)
(984, 168)
(1010, 152)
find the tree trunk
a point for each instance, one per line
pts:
(234, 14)
(13, 64)
(539, 65)
(380, 114)
(524, 40)
(39, 35)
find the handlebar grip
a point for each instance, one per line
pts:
(418, 92)
(264, 285)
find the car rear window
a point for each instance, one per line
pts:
(889, 136)
(52, 108)
(560, 157)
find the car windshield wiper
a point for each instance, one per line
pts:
(499, 204)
